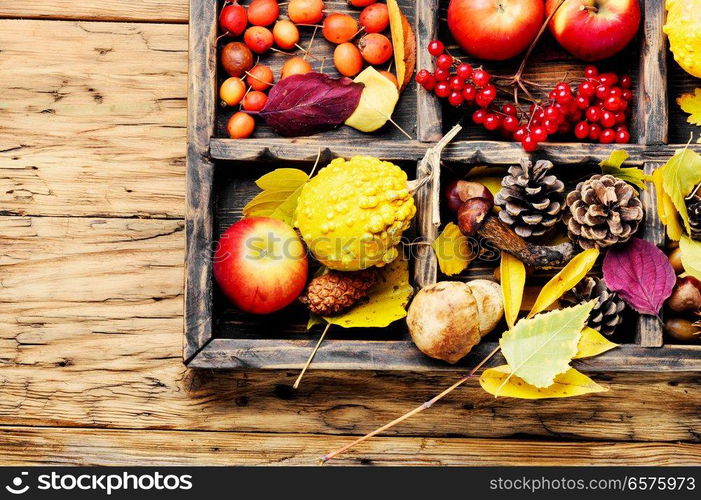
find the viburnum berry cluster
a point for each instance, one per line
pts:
(597, 110)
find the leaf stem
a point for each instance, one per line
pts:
(413, 412)
(311, 356)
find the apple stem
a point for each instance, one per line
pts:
(411, 413)
(311, 356)
(517, 79)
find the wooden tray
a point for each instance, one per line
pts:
(221, 174)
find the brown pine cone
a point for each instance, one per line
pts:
(693, 208)
(607, 313)
(334, 292)
(602, 211)
(531, 199)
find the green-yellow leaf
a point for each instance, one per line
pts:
(691, 256)
(513, 281)
(566, 279)
(633, 175)
(452, 250)
(540, 348)
(281, 188)
(499, 382)
(387, 302)
(691, 103)
(377, 101)
(592, 343)
(665, 208)
(680, 176)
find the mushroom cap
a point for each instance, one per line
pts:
(443, 320)
(490, 304)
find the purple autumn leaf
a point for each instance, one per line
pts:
(641, 274)
(310, 103)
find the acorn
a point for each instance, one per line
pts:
(682, 329)
(686, 296)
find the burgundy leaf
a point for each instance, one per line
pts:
(310, 103)
(641, 274)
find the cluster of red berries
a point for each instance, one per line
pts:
(598, 110)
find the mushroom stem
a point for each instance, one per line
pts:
(507, 240)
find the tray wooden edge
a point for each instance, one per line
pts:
(275, 354)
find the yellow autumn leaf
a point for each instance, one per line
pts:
(513, 281)
(568, 384)
(665, 208)
(281, 188)
(680, 176)
(691, 256)
(691, 103)
(387, 302)
(377, 101)
(566, 279)
(592, 343)
(633, 175)
(403, 43)
(452, 250)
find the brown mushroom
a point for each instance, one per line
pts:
(447, 319)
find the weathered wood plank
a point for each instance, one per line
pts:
(429, 125)
(90, 335)
(272, 354)
(123, 10)
(651, 113)
(98, 130)
(496, 152)
(649, 328)
(50, 446)
(200, 176)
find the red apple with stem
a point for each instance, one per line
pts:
(495, 29)
(260, 264)
(592, 30)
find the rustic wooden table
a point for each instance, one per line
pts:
(92, 146)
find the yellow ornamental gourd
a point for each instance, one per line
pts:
(353, 212)
(683, 28)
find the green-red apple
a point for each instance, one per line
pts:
(260, 264)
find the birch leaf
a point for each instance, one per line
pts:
(592, 343)
(632, 175)
(452, 250)
(499, 382)
(691, 256)
(565, 280)
(540, 348)
(691, 104)
(665, 208)
(377, 101)
(281, 188)
(386, 304)
(513, 281)
(680, 176)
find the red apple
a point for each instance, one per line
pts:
(495, 29)
(260, 264)
(592, 30)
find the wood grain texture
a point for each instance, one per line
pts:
(651, 112)
(200, 177)
(649, 332)
(45, 446)
(85, 10)
(428, 110)
(98, 130)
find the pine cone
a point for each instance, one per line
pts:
(336, 291)
(531, 199)
(602, 211)
(694, 210)
(606, 315)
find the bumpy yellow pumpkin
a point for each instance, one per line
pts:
(684, 32)
(353, 212)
